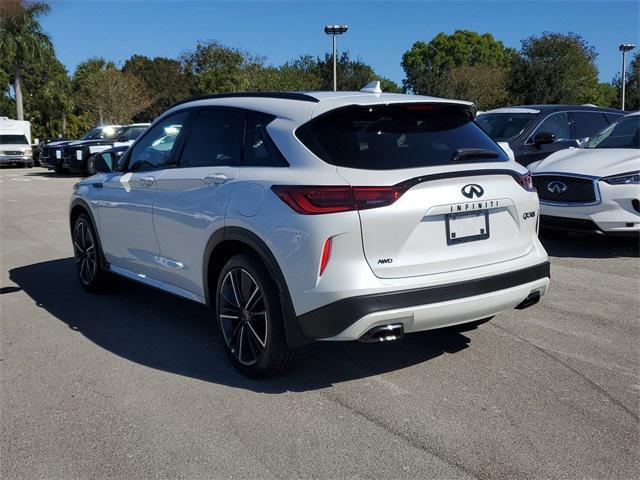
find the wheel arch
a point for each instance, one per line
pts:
(230, 241)
(77, 208)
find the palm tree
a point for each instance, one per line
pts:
(21, 40)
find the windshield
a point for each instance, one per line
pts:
(98, 133)
(132, 132)
(502, 127)
(386, 137)
(13, 140)
(622, 134)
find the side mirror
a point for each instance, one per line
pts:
(543, 138)
(122, 138)
(101, 165)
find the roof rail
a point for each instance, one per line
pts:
(303, 97)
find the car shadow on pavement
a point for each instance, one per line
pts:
(585, 245)
(178, 336)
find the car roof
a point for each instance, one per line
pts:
(301, 106)
(552, 108)
(137, 125)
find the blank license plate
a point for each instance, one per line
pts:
(467, 227)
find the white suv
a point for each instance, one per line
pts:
(316, 216)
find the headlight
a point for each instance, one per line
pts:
(631, 178)
(27, 152)
(79, 154)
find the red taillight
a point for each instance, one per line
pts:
(526, 182)
(334, 199)
(326, 253)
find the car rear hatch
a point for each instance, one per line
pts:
(434, 192)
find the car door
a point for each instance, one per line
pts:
(192, 199)
(558, 124)
(125, 202)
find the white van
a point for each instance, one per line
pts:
(15, 142)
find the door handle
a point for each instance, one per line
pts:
(215, 179)
(146, 181)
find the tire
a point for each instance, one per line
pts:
(250, 319)
(91, 165)
(58, 170)
(87, 254)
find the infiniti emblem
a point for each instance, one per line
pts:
(557, 187)
(472, 190)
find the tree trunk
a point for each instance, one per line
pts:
(64, 123)
(17, 86)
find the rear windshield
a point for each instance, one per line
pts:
(502, 127)
(386, 137)
(13, 140)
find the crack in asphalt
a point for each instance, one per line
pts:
(401, 435)
(590, 382)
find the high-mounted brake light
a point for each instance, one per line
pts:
(333, 199)
(526, 182)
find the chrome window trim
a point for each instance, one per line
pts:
(594, 181)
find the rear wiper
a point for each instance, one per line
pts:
(465, 153)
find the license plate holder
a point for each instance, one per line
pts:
(467, 226)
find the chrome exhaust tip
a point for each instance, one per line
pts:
(383, 333)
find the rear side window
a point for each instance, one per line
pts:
(387, 137)
(215, 139)
(586, 124)
(259, 150)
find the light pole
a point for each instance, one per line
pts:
(624, 48)
(334, 30)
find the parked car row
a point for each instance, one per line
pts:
(79, 156)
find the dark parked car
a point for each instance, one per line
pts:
(533, 132)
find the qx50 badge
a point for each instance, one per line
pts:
(472, 190)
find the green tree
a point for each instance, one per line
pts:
(111, 96)
(164, 80)
(427, 66)
(484, 85)
(22, 41)
(352, 74)
(213, 68)
(555, 68)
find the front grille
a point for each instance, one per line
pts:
(12, 152)
(563, 189)
(565, 223)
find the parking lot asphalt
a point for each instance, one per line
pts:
(133, 383)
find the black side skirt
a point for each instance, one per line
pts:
(330, 320)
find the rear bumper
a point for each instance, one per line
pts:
(425, 308)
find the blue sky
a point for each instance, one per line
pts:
(379, 31)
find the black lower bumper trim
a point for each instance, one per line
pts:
(330, 320)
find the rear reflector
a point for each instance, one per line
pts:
(334, 199)
(326, 253)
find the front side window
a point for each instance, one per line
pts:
(503, 127)
(155, 149)
(557, 124)
(386, 137)
(259, 150)
(215, 139)
(623, 134)
(13, 140)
